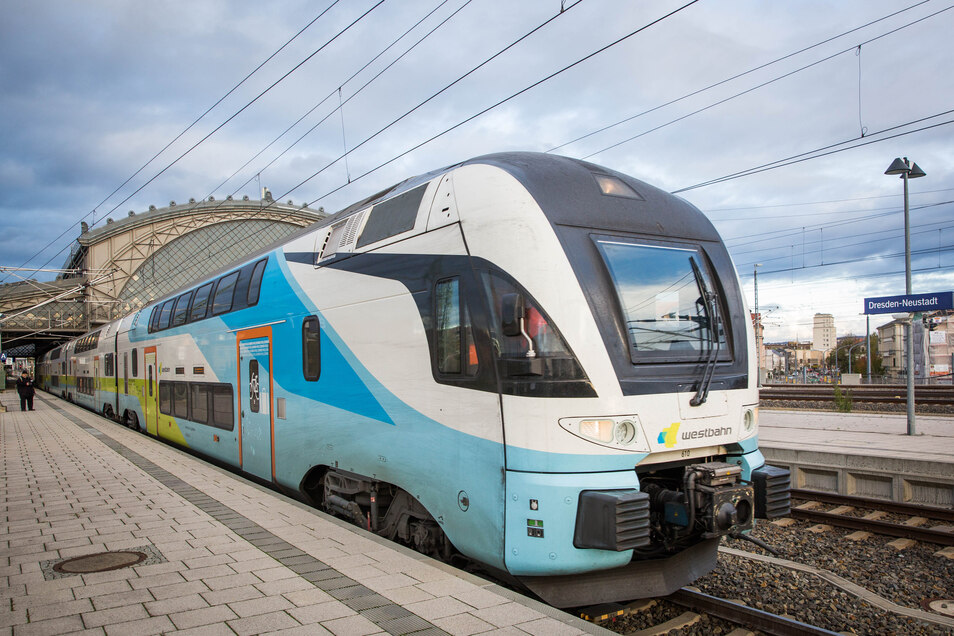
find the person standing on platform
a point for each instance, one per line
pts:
(26, 391)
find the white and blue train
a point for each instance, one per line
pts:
(532, 362)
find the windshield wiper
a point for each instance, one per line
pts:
(709, 300)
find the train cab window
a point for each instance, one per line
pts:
(180, 399)
(311, 348)
(181, 312)
(223, 294)
(455, 349)
(165, 398)
(135, 363)
(222, 409)
(662, 295)
(255, 284)
(200, 305)
(165, 314)
(200, 403)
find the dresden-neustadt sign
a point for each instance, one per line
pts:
(909, 303)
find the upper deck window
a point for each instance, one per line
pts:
(223, 294)
(392, 217)
(661, 294)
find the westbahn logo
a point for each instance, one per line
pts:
(668, 435)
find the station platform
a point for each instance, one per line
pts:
(864, 454)
(214, 553)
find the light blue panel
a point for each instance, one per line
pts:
(750, 458)
(558, 497)
(524, 460)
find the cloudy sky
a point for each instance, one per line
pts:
(777, 119)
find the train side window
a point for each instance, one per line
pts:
(165, 315)
(180, 399)
(255, 285)
(109, 364)
(200, 403)
(200, 305)
(150, 380)
(311, 348)
(135, 363)
(181, 313)
(223, 294)
(456, 352)
(126, 373)
(165, 398)
(222, 407)
(154, 318)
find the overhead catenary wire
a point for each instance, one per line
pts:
(735, 77)
(238, 112)
(502, 101)
(223, 247)
(177, 137)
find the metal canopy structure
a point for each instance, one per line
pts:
(123, 265)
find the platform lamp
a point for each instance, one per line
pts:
(907, 170)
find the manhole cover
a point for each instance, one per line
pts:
(101, 562)
(940, 605)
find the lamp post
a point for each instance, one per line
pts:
(852, 348)
(758, 328)
(907, 170)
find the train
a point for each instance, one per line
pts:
(526, 362)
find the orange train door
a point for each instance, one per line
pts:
(151, 397)
(256, 419)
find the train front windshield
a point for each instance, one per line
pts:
(667, 300)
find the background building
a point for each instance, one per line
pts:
(823, 332)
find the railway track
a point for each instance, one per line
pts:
(845, 516)
(937, 395)
(696, 604)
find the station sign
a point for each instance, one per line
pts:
(909, 303)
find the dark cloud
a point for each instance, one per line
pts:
(93, 90)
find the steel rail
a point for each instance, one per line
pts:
(891, 529)
(745, 615)
(897, 507)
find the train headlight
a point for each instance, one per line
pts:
(625, 432)
(600, 430)
(750, 422)
(621, 432)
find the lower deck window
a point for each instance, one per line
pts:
(201, 402)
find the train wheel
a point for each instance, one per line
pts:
(132, 420)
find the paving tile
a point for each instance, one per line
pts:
(176, 604)
(462, 625)
(255, 606)
(262, 623)
(321, 612)
(185, 588)
(351, 626)
(507, 614)
(63, 625)
(439, 608)
(144, 627)
(233, 580)
(548, 627)
(215, 629)
(405, 595)
(119, 599)
(232, 595)
(56, 610)
(203, 616)
(480, 598)
(115, 615)
(285, 586)
(307, 596)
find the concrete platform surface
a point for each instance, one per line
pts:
(223, 555)
(868, 455)
(859, 433)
